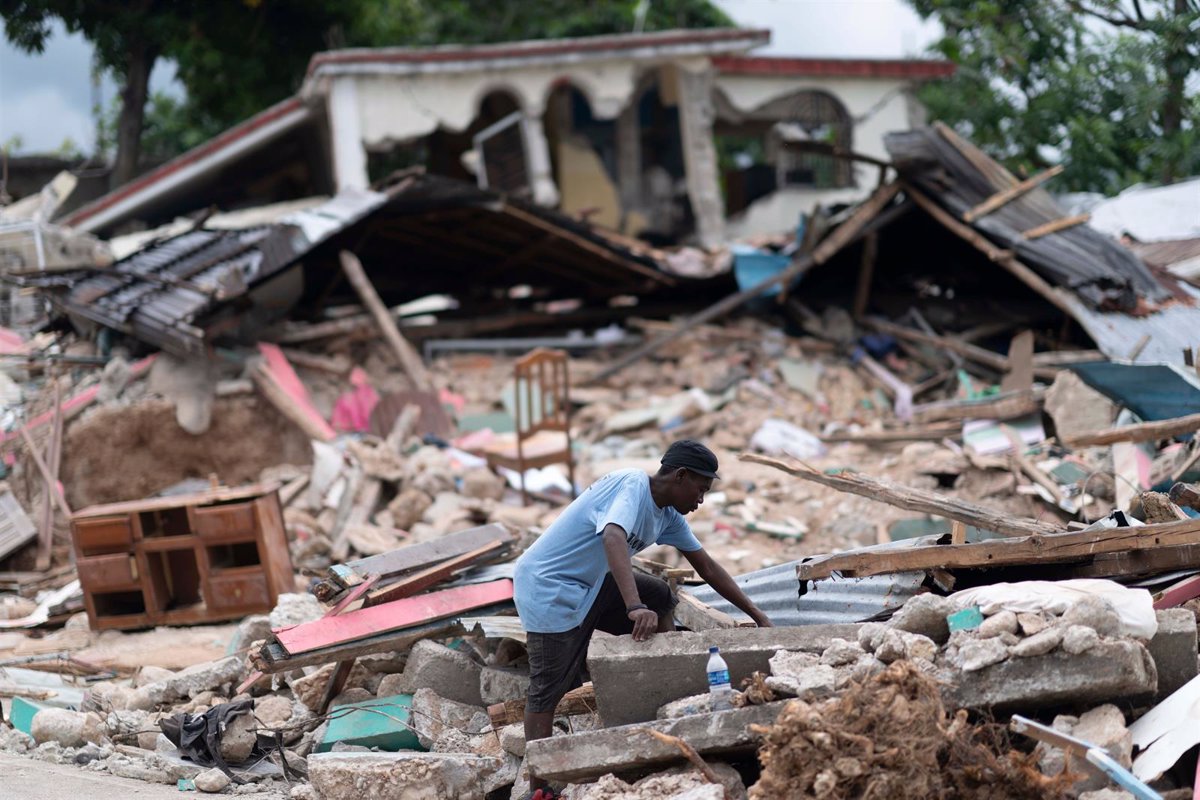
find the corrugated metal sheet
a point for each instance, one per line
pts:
(1171, 330)
(1152, 391)
(960, 176)
(776, 590)
(161, 293)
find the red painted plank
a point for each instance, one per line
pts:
(398, 614)
(286, 378)
(1179, 593)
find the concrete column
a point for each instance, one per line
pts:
(629, 156)
(541, 171)
(700, 154)
(349, 155)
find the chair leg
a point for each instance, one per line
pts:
(524, 494)
(571, 476)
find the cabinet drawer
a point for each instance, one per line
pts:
(238, 591)
(235, 520)
(104, 535)
(98, 573)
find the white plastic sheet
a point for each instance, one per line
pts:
(1134, 606)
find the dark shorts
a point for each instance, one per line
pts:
(556, 659)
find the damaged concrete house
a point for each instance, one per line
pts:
(660, 134)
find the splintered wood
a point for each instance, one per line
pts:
(909, 498)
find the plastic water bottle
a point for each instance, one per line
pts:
(719, 687)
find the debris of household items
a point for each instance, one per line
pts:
(182, 560)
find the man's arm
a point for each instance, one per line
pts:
(715, 576)
(616, 550)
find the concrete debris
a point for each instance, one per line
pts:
(435, 716)
(1079, 639)
(67, 728)
(452, 674)
(187, 683)
(925, 614)
(353, 776)
(1004, 622)
(294, 609)
(212, 780)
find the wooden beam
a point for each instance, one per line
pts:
(1006, 196)
(981, 355)
(1008, 406)
(1142, 432)
(577, 701)
(411, 584)
(54, 455)
(1003, 552)
(931, 434)
(866, 272)
(1054, 226)
(698, 616)
(906, 497)
(845, 233)
(272, 658)
(418, 556)
(958, 533)
(287, 405)
(410, 360)
(995, 254)
(51, 483)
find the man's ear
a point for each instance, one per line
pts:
(680, 474)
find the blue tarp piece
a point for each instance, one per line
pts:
(1152, 391)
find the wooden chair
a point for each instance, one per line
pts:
(543, 417)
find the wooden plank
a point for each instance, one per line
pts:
(1020, 364)
(352, 595)
(958, 533)
(54, 454)
(51, 483)
(411, 584)
(930, 434)
(911, 499)
(339, 365)
(398, 614)
(698, 616)
(866, 272)
(1056, 225)
(272, 658)
(1006, 196)
(581, 700)
(419, 556)
(1142, 432)
(1003, 552)
(1002, 407)
(304, 417)
(1178, 593)
(847, 232)
(410, 360)
(337, 681)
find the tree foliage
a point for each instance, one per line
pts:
(236, 57)
(1095, 84)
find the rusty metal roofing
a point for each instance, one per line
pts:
(959, 176)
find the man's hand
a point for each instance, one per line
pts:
(762, 621)
(645, 623)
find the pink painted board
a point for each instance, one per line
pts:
(1179, 593)
(286, 378)
(404, 613)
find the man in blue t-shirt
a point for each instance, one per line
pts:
(577, 577)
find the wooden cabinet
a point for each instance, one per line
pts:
(182, 560)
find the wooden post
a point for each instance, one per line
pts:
(409, 360)
(51, 483)
(1006, 196)
(958, 532)
(54, 455)
(866, 272)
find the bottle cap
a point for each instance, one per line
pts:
(713, 649)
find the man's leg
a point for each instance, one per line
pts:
(555, 661)
(653, 592)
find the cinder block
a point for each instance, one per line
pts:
(497, 684)
(634, 679)
(385, 723)
(1173, 649)
(450, 673)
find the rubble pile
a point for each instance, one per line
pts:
(267, 549)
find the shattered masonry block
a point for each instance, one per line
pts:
(1173, 649)
(354, 776)
(581, 756)
(1108, 672)
(450, 673)
(628, 675)
(384, 723)
(925, 614)
(497, 684)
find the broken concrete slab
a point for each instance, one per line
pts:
(1173, 649)
(1108, 672)
(401, 776)
(450, 673)
(68, 728)
(629, 748)
(628, 675)
(434, 716)
(497, 684)
(188, 683)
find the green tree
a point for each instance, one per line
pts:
(229, 53)
(1085, 82)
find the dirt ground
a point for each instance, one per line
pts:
(129, 452)
(28, 779)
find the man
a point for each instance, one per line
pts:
(578, 576)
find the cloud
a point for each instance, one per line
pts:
(835, 28)
(44, 117)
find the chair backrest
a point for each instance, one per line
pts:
(541, 388)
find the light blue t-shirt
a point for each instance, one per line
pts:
(558, 578)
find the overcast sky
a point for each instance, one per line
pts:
(47, 99)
